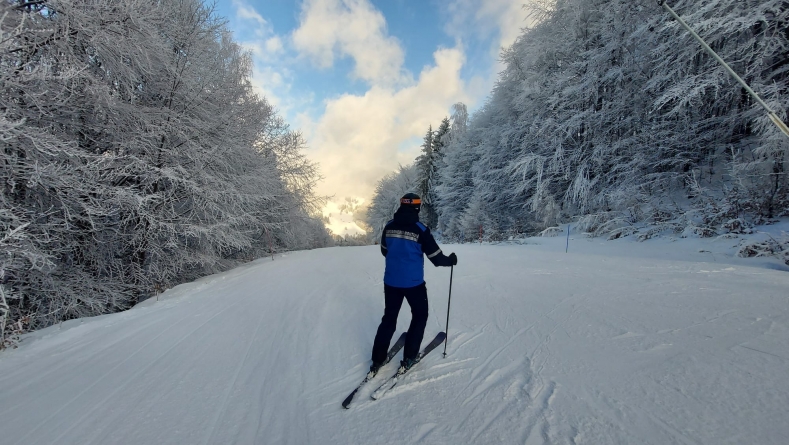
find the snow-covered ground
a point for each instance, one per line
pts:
(615, 342)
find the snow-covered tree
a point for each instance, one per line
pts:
(386, 199)
(425, 164)
(607, 112)
(428, 163)
(455, 184)
(135, 156)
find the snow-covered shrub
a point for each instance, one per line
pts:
(737, 226)
(552, 231)
(13, 331)
(607, 224)
(770, 247)
(652, 231)
(698, 231)
(752, 249)
(622, 232)
(10, 328)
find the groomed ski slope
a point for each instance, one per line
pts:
(613, 343)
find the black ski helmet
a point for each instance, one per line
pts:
(411, 200)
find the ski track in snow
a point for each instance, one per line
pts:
(596, 346)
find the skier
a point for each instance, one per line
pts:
(403, 241)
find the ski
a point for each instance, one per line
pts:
(391, 382)
(392, 352)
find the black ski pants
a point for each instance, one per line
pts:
(417, 299)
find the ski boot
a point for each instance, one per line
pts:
(405, 365)
(374, 368)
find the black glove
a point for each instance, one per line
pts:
(453, 258)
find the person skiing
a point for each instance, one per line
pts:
(403, 242)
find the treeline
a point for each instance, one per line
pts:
(135, 156)
(610, 116)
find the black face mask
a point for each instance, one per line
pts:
(407, 212)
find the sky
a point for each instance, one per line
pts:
(363, 80)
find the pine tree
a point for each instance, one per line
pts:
(425, 166)
(454, 181)
(440, 142)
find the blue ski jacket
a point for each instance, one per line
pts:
(403, 242)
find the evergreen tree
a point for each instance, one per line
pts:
(425, 164)
(440, 142)
(454, 181)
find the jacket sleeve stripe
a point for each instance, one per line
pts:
(434, 253)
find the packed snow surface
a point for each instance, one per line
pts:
(662, 342)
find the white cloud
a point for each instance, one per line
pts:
(270, 71)
(256, 33)
(247, 12)
(500, 21)
(274, 45)
(352, 28)
(509, 16)
(356, 139)
(503, 18)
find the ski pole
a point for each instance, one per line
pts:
(451, 271)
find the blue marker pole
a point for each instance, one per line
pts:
(568, 239)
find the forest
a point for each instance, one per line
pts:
(135, 156)
(609, 117)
